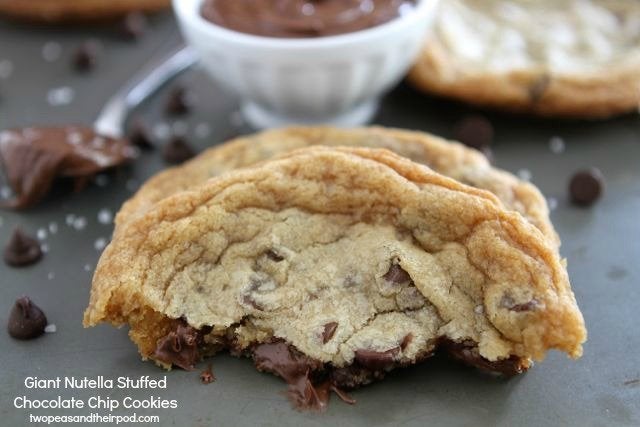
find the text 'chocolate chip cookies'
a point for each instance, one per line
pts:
(332, 266)
(553, 57)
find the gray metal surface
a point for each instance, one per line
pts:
(602, 245)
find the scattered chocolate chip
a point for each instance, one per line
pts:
(139, 135)
(26, 320)
(177, 151)
(474, 131)
(179, 348)
(33, 159)
(397, 274)
(21, 250)
(178, 102)
(539, 87)
(468, 353)
(377, 360)
(273, 256)
(85, 57)
(133, 26)
(329, 331)
(207, 376)
(406, 341)
(586, 187)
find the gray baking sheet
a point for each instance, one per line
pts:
(602, 245)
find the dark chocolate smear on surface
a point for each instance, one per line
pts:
(177, 151)
(474, 131)
(34, 158)
(179, 102)
(406, 341)
(377, 360)
(303, 18)
(468, 354)
(179, 347)
(586, 187)
(329, 331)
(26, 320)
(21, 250)
(397, 274)
(133, 26)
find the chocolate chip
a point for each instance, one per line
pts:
(273, 256)
(397, 274)
(539, 87)
(329, 331)
(406, 341)
(133, 26)
(510, 304)
(179, 102)
(177, 151)
(22, 250)
(377, 360)
(474, 131)
(179, 348)
(586, 187)
(139, 135)
(26, 320)
(85, 57)
(207, 376)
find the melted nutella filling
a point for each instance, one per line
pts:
(303, 18)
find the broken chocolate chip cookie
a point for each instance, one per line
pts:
(332, 266)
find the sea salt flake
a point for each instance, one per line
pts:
(180, 127)
(44, 248)
(102, 180)
(87, 267)
(202, 130)
(6, 69)
(51, 51)
(479, 309)
(60, 96)
(6, 192)
(553, 203)
(41, 234)
(105, 216)
(525, 174)
(161, 131)
(557, 145)
(69, 219)
(100, 244)
(51, 328)
(51, 275)
(80, 223)
(53, 227)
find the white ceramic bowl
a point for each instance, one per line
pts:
(334, 80)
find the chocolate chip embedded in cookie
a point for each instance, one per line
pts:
(356, 234)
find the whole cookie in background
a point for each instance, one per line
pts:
(446, 157)
(76, 10)
(566, 58)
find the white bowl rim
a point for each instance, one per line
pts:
(189, 11)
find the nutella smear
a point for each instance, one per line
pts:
(303, 18)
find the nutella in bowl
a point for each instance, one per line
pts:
(306, 62)
(303, 18)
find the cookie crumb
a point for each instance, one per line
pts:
(207, 376)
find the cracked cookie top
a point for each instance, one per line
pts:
(347, 254)
(448, 158)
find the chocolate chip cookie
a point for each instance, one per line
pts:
(74, 10)
(332, 266)
(567, 58)
(454, 160)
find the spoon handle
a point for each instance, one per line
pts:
(112, 118)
